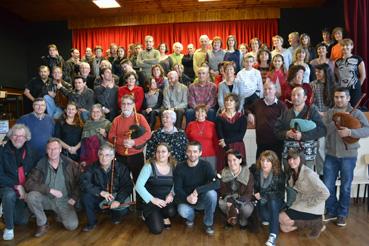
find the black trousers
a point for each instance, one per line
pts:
(133, 162)
(154, 216)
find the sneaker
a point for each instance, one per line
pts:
(8, 234)
(328, 217)
(209, 230)
(341, 221)
(272, 240)
(189, 224)
(265, 223)
(88, 228)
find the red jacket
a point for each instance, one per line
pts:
(137, 92)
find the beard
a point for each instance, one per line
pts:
(127, 113)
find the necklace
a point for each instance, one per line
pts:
(201, 130)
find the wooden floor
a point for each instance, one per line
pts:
(134, 232)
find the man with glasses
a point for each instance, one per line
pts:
(17, 158)
(40, 124)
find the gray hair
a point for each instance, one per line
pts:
(84, 64)
(109, 147)
(99, 107)
(17, 127)
(178, 43)
(171, 114)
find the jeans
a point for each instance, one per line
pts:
(270, 212)
(15, 211)
(332, 166)
(206, 202)
(52, 109)
(91, 205)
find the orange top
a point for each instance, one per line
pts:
(120, 129)
(336, 52)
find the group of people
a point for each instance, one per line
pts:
(102, 141)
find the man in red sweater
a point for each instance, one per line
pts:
(128, 146)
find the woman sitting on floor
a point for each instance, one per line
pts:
(155, 186)
(306, 196)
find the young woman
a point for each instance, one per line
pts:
(152, 103)
(263, 62)
(228, 85)
(231, 128)
(157, 73)
(336, 51)
(301, 58)
(204, 131)
(306, 206)
(164, 59)
(131, 89)
(69, 131)
(323, 87)
(277, 74)
(322, 51)
(255, 45)
(278, 49)
(350, 71)
(306, 44)
(232, 53)
(236, 189)
(155, 186)
(269, 182)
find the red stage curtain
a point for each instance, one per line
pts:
(169, 33)
(356, 19)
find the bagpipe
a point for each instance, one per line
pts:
(135, 131)
(105, 204)
(344, 119)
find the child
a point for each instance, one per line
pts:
(250, 82)
(277, 74)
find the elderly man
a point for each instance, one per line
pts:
(194, 185)
(199, 56)
(175, 97)
(85, 72)
(299, 134)
(202, 92)
(81, 95)
(40, 124)
(187, 62)
(341, 156)
(17, 159)
(148, 57)
(263, 114)
(176, 56)
(129, 144)
(53, 185)
(97, 61)
(97, 186)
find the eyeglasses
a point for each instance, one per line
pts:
(127, 104)
(18, 136)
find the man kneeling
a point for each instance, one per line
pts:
(97, 186)
(53, 185)
(194, 185)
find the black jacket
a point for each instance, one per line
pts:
(9, 164)
(274, 190)
(95, 180)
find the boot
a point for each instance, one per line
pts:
(301, 224)
(316, 228)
